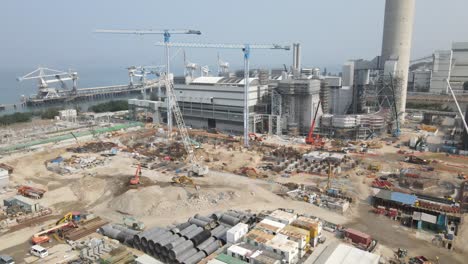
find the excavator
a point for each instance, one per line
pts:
(63, 223)
(310, 139)
(42, 237)
(135, 180)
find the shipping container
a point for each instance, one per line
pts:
(358, 237)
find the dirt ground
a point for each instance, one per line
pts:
(104, 191)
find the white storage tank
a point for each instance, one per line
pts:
(234, 234)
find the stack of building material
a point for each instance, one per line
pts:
(189, 242)
(119, 232)
(85, 229)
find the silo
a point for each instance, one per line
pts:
(397, 35)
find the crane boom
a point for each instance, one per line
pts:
(224, 46)
(167, 37)
(246, 50)
(310, 135)
(197, 168)
(458, 106)
(148, 31)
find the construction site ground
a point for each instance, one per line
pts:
(104, 191)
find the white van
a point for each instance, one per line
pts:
(39, 251)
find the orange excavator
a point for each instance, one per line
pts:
(135, 180)
(42, 237)
(310, 139)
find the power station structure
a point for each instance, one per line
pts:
(396, 46)
(358, 104)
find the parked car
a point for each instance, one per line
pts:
(4, 259)
(39, 251)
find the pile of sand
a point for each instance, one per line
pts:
(157, 201)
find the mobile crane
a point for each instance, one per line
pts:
(310, 139)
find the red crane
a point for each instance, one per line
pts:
(136, 179)
(310, 139)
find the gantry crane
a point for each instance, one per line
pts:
(195, 167)
(167, 38)
(246, 50)
(223, 67)
(46, 76)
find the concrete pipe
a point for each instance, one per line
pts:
(180, 249)
(217, 229)
(138, 236)
(212, 248)
(222, 235)
(145, 239)
(188, 230)
(155, 240)
(230, 220)
(187, 254)
(201, 237)
(195, 258)
(195, 232)
(175, 243)
(182, 226)
(206, 243)
(160, 245)
(203, 218)
(199, 223)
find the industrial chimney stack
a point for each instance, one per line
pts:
(396, 45)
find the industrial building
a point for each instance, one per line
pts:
(339, 253)
(288, 101)
(26, 204)
(430, 74)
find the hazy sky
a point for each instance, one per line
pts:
(59, 33)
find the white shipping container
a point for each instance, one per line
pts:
(234, 234)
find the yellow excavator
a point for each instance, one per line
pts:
(183, 181)
(68, 217)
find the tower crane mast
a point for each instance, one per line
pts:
(246, 48)
(167, 33)
(196, 167)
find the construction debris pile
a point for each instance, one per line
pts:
(162, 150)
(93, 147)
(75, 163)
(331, 199)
